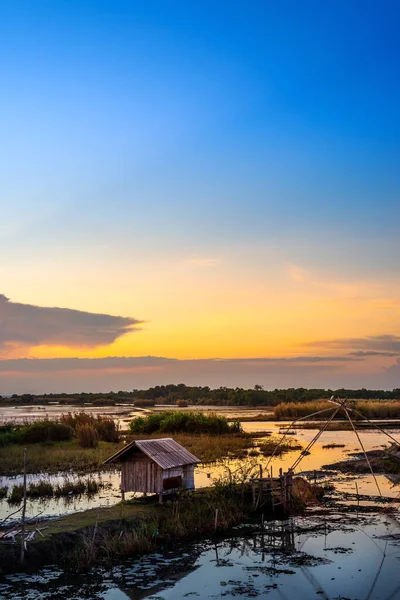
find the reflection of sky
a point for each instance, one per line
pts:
(206, 475)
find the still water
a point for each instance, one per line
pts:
(205, 475)
(331, 557)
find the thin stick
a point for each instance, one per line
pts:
(10, 515)
(363, 449)
(315, 438)
(373, 424)
(23, 513)
(319, 412)
(216, 519)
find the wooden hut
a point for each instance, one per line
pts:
(155, 467)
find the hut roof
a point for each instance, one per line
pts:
(166, 452)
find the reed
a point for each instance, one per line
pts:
(372, 409)
(46, 489)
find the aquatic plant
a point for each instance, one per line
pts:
(272, 447)
(45, 489)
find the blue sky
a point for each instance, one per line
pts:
(253, 134)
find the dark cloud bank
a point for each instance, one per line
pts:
(28, 325)
(115, 373)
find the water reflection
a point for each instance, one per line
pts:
(205, 475)
(331, 557)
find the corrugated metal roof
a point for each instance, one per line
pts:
(166, 452)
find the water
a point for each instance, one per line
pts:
(123, 414)
(339, 557)
(205, 475)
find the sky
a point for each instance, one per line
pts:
(199, 192)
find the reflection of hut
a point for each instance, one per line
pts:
(155, 467)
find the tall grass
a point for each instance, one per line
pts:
(107, 429)
(190, 515)
(63, 456)
(294, 410)
(45, 489)
(87, 436)
(372, 409)
(184, 422)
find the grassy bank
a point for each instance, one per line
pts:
(69, 456)
(101, 536)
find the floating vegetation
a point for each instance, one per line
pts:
(272, 447)
(333, 445)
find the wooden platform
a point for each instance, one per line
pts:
(272, 491)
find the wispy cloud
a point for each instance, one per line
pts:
(103, 374)
(382, 345)
(29, 325)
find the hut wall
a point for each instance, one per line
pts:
(188, 477)
(144, 475)
(141, 475)
(172, 480)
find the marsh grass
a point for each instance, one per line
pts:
(190, 515)
(372, 409)
(45, 489)
(107, 430)
(270, 447)
(69, 456)
(62, 456)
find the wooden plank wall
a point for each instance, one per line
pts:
(143, 475)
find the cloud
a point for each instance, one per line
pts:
(116, 373)
(376, 345)
(28, 325)
(366, 353)
(36, 365)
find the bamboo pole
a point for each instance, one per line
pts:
(363, 449)
(23, 513)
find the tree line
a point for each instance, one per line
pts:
(202, 395)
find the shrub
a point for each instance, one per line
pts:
(73, 420)
(182, 403)
(144, 402)
(184, 422)
(87, 436)
(44, 431)
(106, 427)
